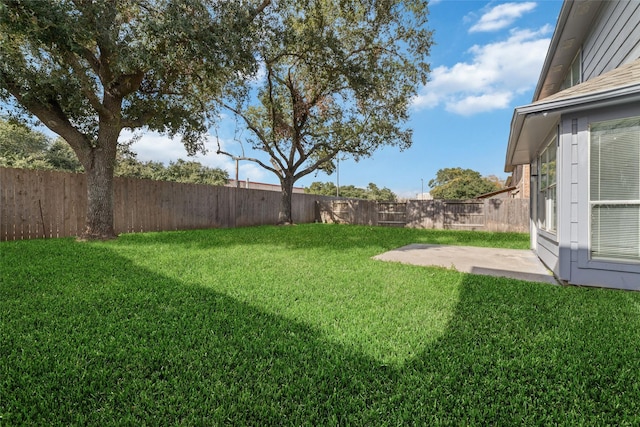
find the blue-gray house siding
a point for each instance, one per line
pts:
(614, 40)
(604, 37)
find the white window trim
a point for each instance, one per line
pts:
(601, 261)
(549, 211)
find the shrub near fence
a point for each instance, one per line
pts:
(38, 204)
(487, 215)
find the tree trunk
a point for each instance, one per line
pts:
(285, 217)
(99, 167)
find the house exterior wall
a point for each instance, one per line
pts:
(582, 269)
(545, 244)
(609, 42)
(567, 253)
(614, 39)
(520, 179)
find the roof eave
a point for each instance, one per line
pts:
(544, 114)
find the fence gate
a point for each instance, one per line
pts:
(392, 214)
(463, 215)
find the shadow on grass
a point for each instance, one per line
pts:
(135, 347)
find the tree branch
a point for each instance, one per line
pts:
(274, 123)
(260, 8)
(86, 85)
(50, 114)
(249, 159)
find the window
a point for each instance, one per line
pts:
(547, 205)
(615, 189)
(573, 75)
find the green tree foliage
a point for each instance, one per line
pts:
(18, 140)
(23, 147)
(458, 183)
(194, 172)
(372, 192)
(339, 78)
(88, 69)
(61, 157)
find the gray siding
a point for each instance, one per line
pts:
(544, 243)
(567, 196)
(584, 270)
(614, 40)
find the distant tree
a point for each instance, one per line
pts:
(380, 194)
(18, 140)
(23, 147)
(458, 183)
(322, 188)
(499, 182)
(372, 192)
(89, 69)
(194, 172)
(61, 157)
(339, 79)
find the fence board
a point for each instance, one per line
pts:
(488, 215)
(392, 214)
(464, 215)
(145, 205)
(7, 207)
(139, 205)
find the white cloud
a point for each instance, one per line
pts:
(479, 104)
(502, 16)
(496, 73)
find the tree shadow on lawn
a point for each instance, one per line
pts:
(136, 347)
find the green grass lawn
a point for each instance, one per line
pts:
(299, 326)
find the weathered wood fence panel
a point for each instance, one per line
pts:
(348, 211)
(36, 204)
(507, 215)
(463, 215)
(486, 215)
(392, 214)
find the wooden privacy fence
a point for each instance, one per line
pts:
(486, 215)
(36, 204)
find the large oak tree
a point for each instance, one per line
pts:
(339, 78)
(89, 69)
(458, 183)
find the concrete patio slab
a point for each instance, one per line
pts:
(512, 263)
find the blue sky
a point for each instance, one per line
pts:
(485, 62)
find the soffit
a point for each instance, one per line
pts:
(573, 26)
(532, 123)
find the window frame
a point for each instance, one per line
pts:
(547, 207)
(574, 73)
(598, 259)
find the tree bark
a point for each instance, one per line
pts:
(284, 216)
(99, 166)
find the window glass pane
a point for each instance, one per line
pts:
(614, 179)
(551, 165)
(547, 210)
(615, 231)
(575, 71)
(543, 175)
(615, 160)
(552, 211)
(542, 221)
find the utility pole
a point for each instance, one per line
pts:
(338, 175)
(237, 159)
